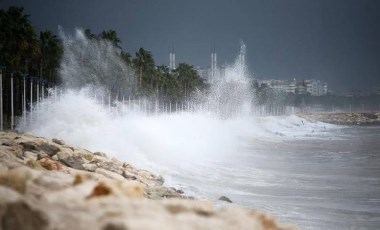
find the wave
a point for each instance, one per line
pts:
(133, 136)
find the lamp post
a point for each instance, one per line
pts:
(24, 97)
(31, 94)
(43, 90)
(38, 91)
(12, 106)
(1, 98)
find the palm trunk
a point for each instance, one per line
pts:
(41, 68)
(50, 80)
(140, 83)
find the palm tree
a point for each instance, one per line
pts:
(17, 38)
(89, 34)
(126, 57)
(143, 63)
(111, 36)
(169, 84)
(189, 78)
(50, 53)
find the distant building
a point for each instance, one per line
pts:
(287, 86)
(211, 75)
(214, 72)
(172, 64)
(203, 73)
(313, 87)
(301, 88)
(316, 87)
(376, 90)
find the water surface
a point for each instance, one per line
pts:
(327, 181)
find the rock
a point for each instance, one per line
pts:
(199, 207)
(345, 118)
(55, 157)
(159, 192)
(42, 147)
(41, 155)
(75, 162)
(58, 142)
(115, 226)
(15, 150)
(108, 165)
(78, 179)
(33, 164)
(29, 146)
(89, 167)
(3, 169)
(30, 155)
(101, 189)
(160, 180)
(84, 154)
(100, 159)
(71, 160)
(128, 176)
(178, 190)
(49, 149)
(226, 199)
(8, 142)
(130, 190)
(20, 215)
(7, 195)
(15, 179)
(101, 154)
(50, 181)
(110, 174)
(50, 164)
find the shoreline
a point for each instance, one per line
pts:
(46, 184)
(349, 119)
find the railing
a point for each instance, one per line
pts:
(22, 98)
(15, 90)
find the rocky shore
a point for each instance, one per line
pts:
(46, 184)
(363, 119)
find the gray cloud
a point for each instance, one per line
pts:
(333, 40)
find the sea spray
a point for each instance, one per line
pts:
(94, 62)
(209, 127)
(230, 94)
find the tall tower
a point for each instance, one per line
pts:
(171, 60)
(213, 65)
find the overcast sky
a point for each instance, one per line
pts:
(337, 41)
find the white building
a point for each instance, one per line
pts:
(314, 87)
(214, 73)
(211, 75)
(287, 86)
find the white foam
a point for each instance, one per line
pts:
(164, 139)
